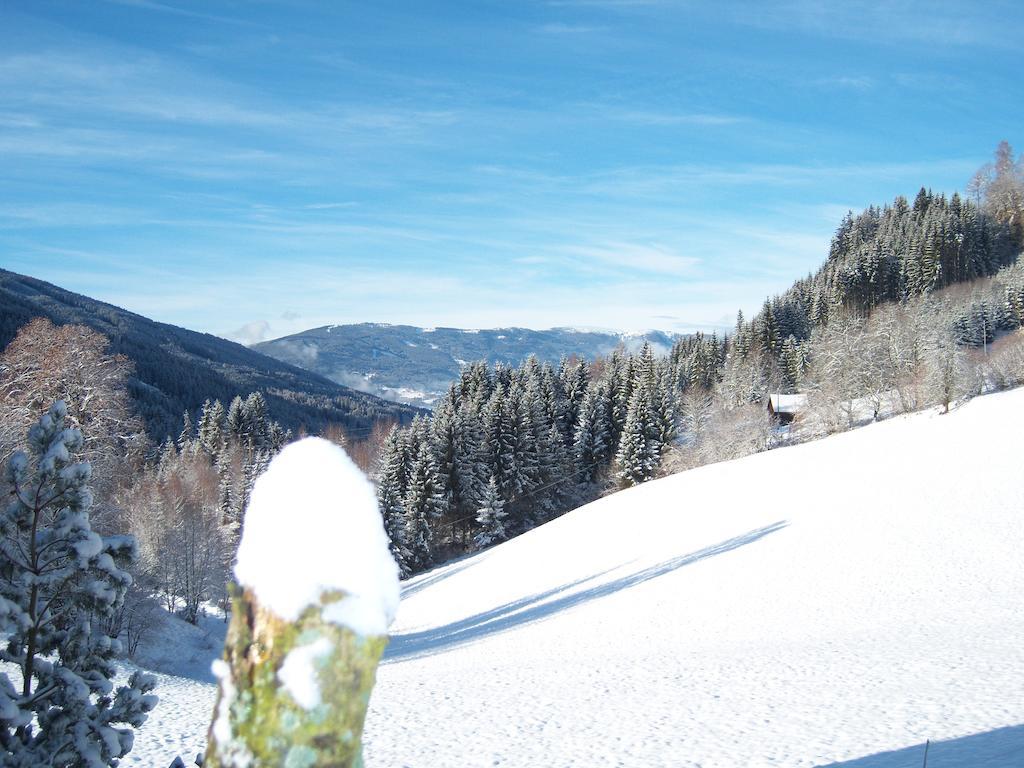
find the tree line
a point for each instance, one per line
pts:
(881, 327)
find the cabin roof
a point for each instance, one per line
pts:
(787, 403)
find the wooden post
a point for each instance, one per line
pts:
(317, 590)
(260, 721)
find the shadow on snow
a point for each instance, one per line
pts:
(541, 606)
(999, 748)
(448, 569)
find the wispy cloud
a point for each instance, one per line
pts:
(560, 28)
(151, 5)
(650, 117)
(626, 257)
(848, 82)
(607, 3)
(943, 23)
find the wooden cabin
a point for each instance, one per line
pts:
(785, 408)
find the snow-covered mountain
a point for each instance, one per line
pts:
(834, 603)
(177, 369)
(415, 365)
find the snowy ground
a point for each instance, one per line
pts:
(180, 655)
(833, 603)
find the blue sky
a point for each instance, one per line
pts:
(255, 168)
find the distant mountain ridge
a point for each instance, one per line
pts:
(415, 365)
(176, 369)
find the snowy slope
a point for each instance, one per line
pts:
(828, 603)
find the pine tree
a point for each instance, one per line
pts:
(255, 421)
(592, 445)
(58, 581)
(234, 423)
(520, 461)
(185, 438)
(226, 494)
(391, 481)
(664, 412)
(791, 363)
(211, 427)
(491, 517)
(444, 442)
(574, 383)
(638, 455)
(423, 505)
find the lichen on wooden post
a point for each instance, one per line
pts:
(317, 590)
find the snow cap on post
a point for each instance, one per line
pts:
(318, 589)
(312, 527)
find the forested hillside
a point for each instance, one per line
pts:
(176, 370)
(917, 304)
(889, 254)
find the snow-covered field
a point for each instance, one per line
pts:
(837, 602)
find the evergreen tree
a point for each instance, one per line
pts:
(638, 456)
(391, 481)
(423, 505)
(574, 379)
(664, 412)
(234, 423)
(593, 437)
(491, 517)
(185, 438)
(211, 427)
(255, 422)
(58, 581)
(791, 362)
(229, 511)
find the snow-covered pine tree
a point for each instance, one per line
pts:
(619, 375)
(255, 464)
(255, 421)
(185, 438)
(211, 427)
(664, 410)
(491, 517)
(58, 581)
(225, 494)
(574, 379)
(592, 442)
(469, 458)
(423, 505)
(391, 481)
(792, 364)
(234, 422)
(638, 456)
(168, 452)
(519, 459)
(444, 440)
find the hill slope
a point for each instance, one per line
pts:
(415, 365)
(176, 369)
(817, 605)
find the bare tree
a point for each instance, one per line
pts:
(839, 371)
(948, 374)
(45, 363)
(185, 547)
(1004, 367)
(718, 431)
(894, 349)
(999, 187)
